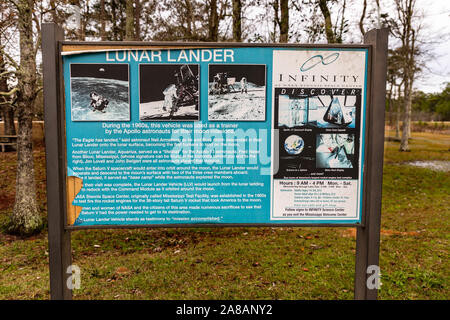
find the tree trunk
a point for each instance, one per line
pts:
(25, 218)
(342, 26)
(397, 115)
(114, 27)
(129, 26)
(83, 20)
(53, 12)
(276, 20)
(237, 20)
(378, 14)
(389, 104)
(102, 20)
(137, 20)
(406, 131)
(8, 120)
(331, 38)
(361, 20)
(7, 111)
(284, 21)
(213, 22)
(190, 30)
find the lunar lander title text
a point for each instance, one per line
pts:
(179, 55)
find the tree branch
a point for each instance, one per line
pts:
(11, 60)
(10, 93)
(6, 73)
(361, 20)
(38, 90)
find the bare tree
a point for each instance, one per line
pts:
(398, 103)
(213, 21)
(137, 20)
(331, 38)
(83, 8)
(361, 20)
(237, 20)
(6, 109)
(371, 16)
(25, 217)
(181, 20)
(118, 21)
(308, 20)
(129, 31)
(281, 19)
(405, 28)
(395, 81)
(276, 19)
(102, 20)
(284, 21)
(334, 32)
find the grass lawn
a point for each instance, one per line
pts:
(251, 263)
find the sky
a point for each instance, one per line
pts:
(437, 29)
(434, 35)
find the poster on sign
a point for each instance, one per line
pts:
(319, 110)
(223, 136)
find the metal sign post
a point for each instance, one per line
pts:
(368, 236)
(322, 122)
(58, 236)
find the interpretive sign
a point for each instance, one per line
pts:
(231, 135)
(143, 134)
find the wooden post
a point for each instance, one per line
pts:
(58, 238)
(368, 236)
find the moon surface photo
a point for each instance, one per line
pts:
(169, 92)
(237, 93)
(99, 92)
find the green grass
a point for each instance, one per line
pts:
(424, 146)
(251, 263)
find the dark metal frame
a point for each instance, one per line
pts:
(368, 231)
(60, 255)
(368, 235)
(206, 45)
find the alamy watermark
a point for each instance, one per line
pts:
(374, 279)
(74, 280)
(224, 147)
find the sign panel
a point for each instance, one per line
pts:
(319, 112)
(221, 135)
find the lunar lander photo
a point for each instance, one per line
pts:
(183, 93)
(222, 83)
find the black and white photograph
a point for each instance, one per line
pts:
(335, 150)
(328, 111)
(169, 92)
(305, 107)
(237, 92)
(293, 111)
(100, 92)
